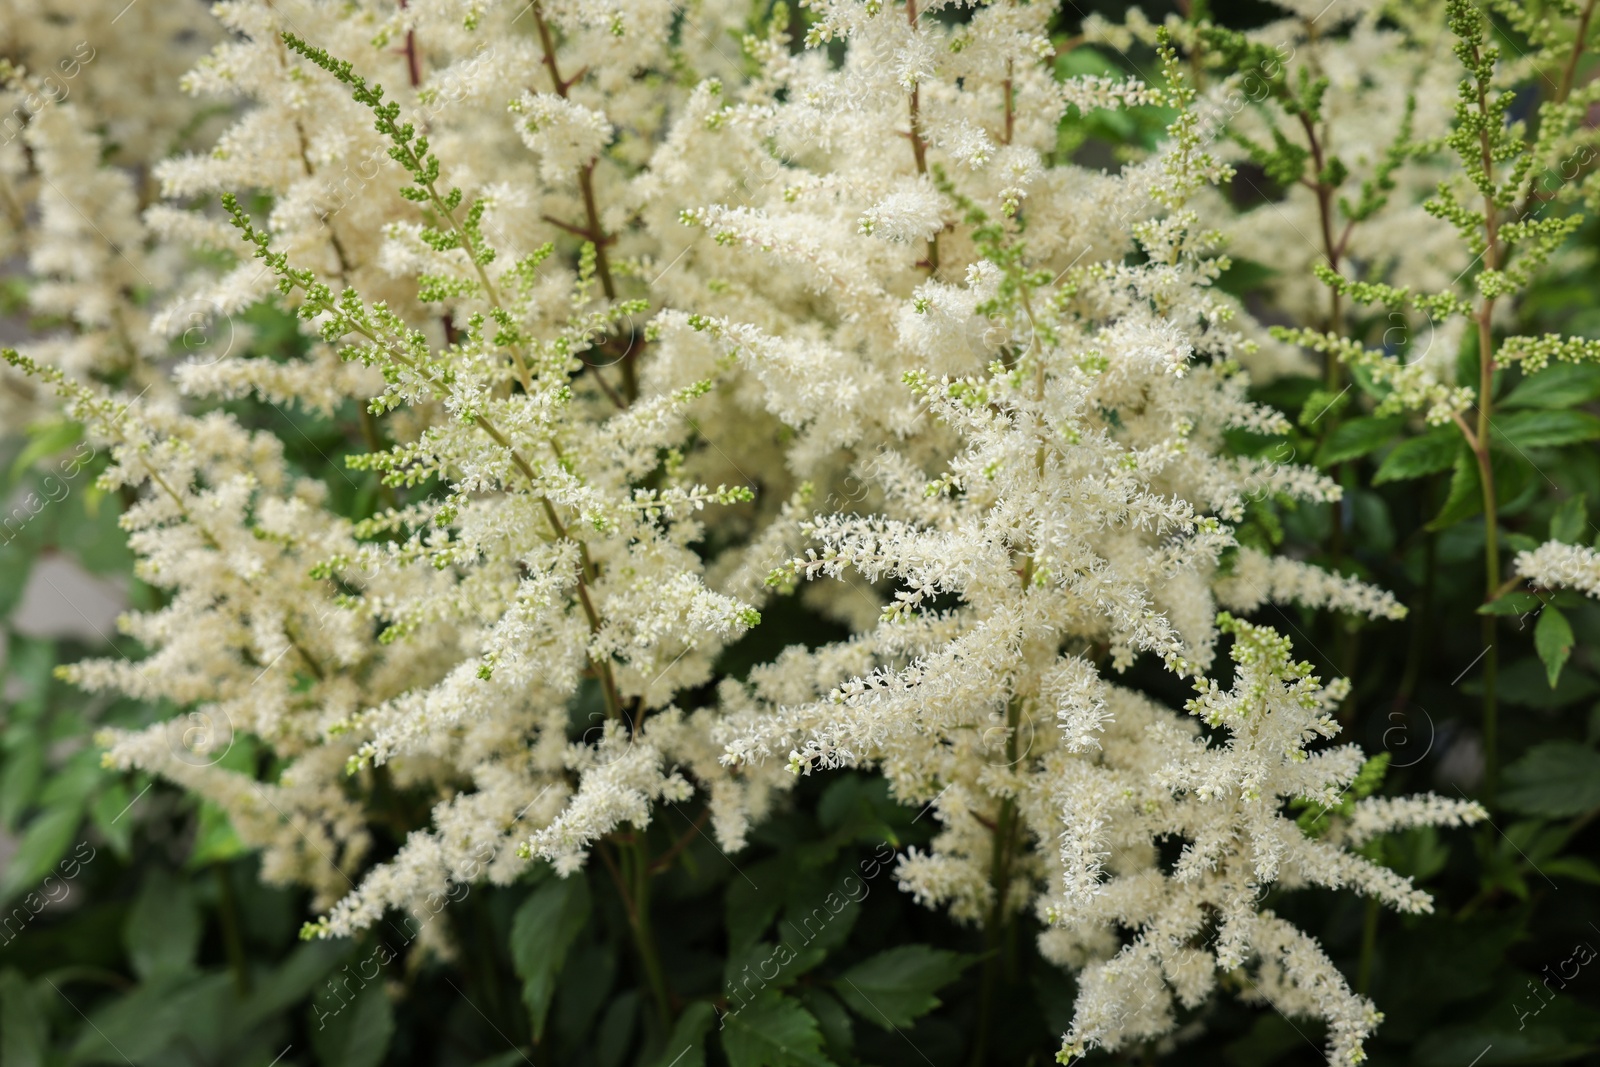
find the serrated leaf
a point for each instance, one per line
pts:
(215, 840)
(772, 1031)
(761, 964)
(43, 843)
(687, 1045)
(1560, 385)
(510, 1058)
(751, 909)
(1466, 494)
(1547, 429)
(1577, 868)
(1374, 525)
(16, 562)
(1552, 639)
(285, 985)
(1517, 603)
(358, 1034)
(1556, 780)
(837, 1030)
(1357, 437)
(1416, 457)
(1515, 542)
(110, 806)
(615, 1032)
(73, 785)
(861, 807)
(19, 781)
(546, 925)
(1513, 475)
(1523, 684)
(24, 1040)
(162, 933)
(822, 906)
(46, 440)
(894, 987)
(1570, 523)
(150, 1018)
(1416, 853)
(1244, 276)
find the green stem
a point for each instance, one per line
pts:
(994, 929)
(643, 934)
(1369, 945)
(232, 940)
(593, 231)
(1493, 259)
(1491, 548)
(1421, 627)
(1345, 641)
(919, 146)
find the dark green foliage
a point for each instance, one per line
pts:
(134, 928)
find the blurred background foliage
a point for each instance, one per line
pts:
(134, 929)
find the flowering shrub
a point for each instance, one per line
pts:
(777, 439)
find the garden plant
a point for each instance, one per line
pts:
(729, 532)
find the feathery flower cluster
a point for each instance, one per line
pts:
(1555, 565)
(642, 336)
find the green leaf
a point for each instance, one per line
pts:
(1515, 542)
(1494, 1042)
(822, 907)
(513, 1058)
(1416, 457)
(110, 811)
(751, 909)
(760, 964)
(16, 561)
(771, 1031)
(43, 843)
(47, 441)
(1084, 60)
(19, 781)
(1417, 853)
(541, 935)
(861, 807)
(215, 840)
(75, 783)
(162, 933)
(1570, 523)
(1547, 429)
(1556, 780)
(1374, 525)
(587, 979)
(1358, 437)
(616, 1030)
(1523, 684)
(136, 1027)
(1466, 494)
(357, 1035)
(893, 988)
(687, 1045)
(837, 1030)
(24, 1040)
(1552, 639)
(282, 987)
(1577, 868)
(1560, 385)
(1244, 276)
(1515, 603)
(1270, 1037)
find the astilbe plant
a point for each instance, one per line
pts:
(640, 351)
